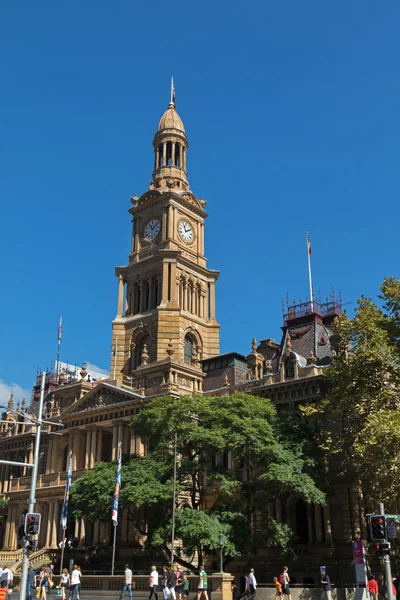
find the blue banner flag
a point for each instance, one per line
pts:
(64, 512)
(114, 515)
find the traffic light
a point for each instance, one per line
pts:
(32, 524)
(377, 525)
(382, 549)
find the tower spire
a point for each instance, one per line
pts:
(172, 92)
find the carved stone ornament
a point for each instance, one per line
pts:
(226, 381)
(145, 355)
(83, 371)
(268, 366)
(312, 359)
(170, 350)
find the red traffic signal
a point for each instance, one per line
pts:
(32, 524)
(377, 525)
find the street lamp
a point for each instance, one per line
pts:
(221, 542)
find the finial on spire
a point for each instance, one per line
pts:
(172, 92)
(10, 405)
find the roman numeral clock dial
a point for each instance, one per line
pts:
(185, 231)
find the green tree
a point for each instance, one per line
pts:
(234, 456)
(359, 420)
(3, 506)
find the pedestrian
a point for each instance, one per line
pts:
(65, 582)
(70, 541)
(164, 582)
(394, 590)
(251, 585)
(233, 590)
(326, 585)
(185, 587)
(127, 585)
(179, 583)
(278, 589)
(373, 587)
(153, 581)
(75, 582)
(284, 580)
(171, 582)
(50, 572)
(203, 584)
(43, 582)
(6, 580)
(30, 582)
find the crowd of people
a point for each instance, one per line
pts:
(40, 582)
(174, 583)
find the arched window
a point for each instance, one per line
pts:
(289, 367)
(188, 350)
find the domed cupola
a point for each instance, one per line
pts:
(170, 146)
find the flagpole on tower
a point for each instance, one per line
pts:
(58, 347)
(172, 92)
(114, 514)
(309, 271)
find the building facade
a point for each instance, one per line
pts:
(165, 340)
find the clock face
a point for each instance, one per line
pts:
(152, 229)
(186, 231)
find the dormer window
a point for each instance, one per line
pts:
(289, 367)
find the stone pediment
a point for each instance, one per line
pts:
(103, 394)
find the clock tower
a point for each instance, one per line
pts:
(165, 323)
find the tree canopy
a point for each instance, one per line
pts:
(234, 456)
(360, 419)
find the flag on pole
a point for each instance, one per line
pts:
(64, 512)
(114, 515)
(60, 330)
(172, 91)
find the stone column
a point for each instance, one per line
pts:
(165, 282)
(49, 524)
(76, 530)
(99, 444)
(173, 284)
(54, 525)
(181, 156)
(83, 531)
(212, 300)
(6, 478)
(93, 448)
(164, 158)
(310, 524)
(2, 472)
(318, 522)
(327, 519)
(114, 451)
(50, 454)
(157, 158)
(173, 153)
(88, 444)
(278, 510)
(132, 443)
(184, 159)
(120, 296)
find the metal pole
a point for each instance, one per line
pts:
(32, 493)
(15, 464)
(386, 562)
(173, 504)
(62, 550)
(113, 552)
(222, 559)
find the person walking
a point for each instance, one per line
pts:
(65, 582)
(394, 589)
(6, 580)
(127, 585)
(164, 582)
(171, 582)
(278, 589)
(43, 582)
(30, 582)
(185, 586)
(284, 580)
(203, 584)
(326, 585)
(75, 582)
(373, 587)
(153, 581)
(252, 585)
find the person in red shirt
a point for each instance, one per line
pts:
(394, 591)
(373, 587)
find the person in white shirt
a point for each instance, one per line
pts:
(252, 585)
(6, 580)
(127, 585)
(153, 583)
(75, 582)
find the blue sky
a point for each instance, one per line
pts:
(292, 114)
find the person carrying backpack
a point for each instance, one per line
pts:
(284, 580)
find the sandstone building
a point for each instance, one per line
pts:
(165, 339)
